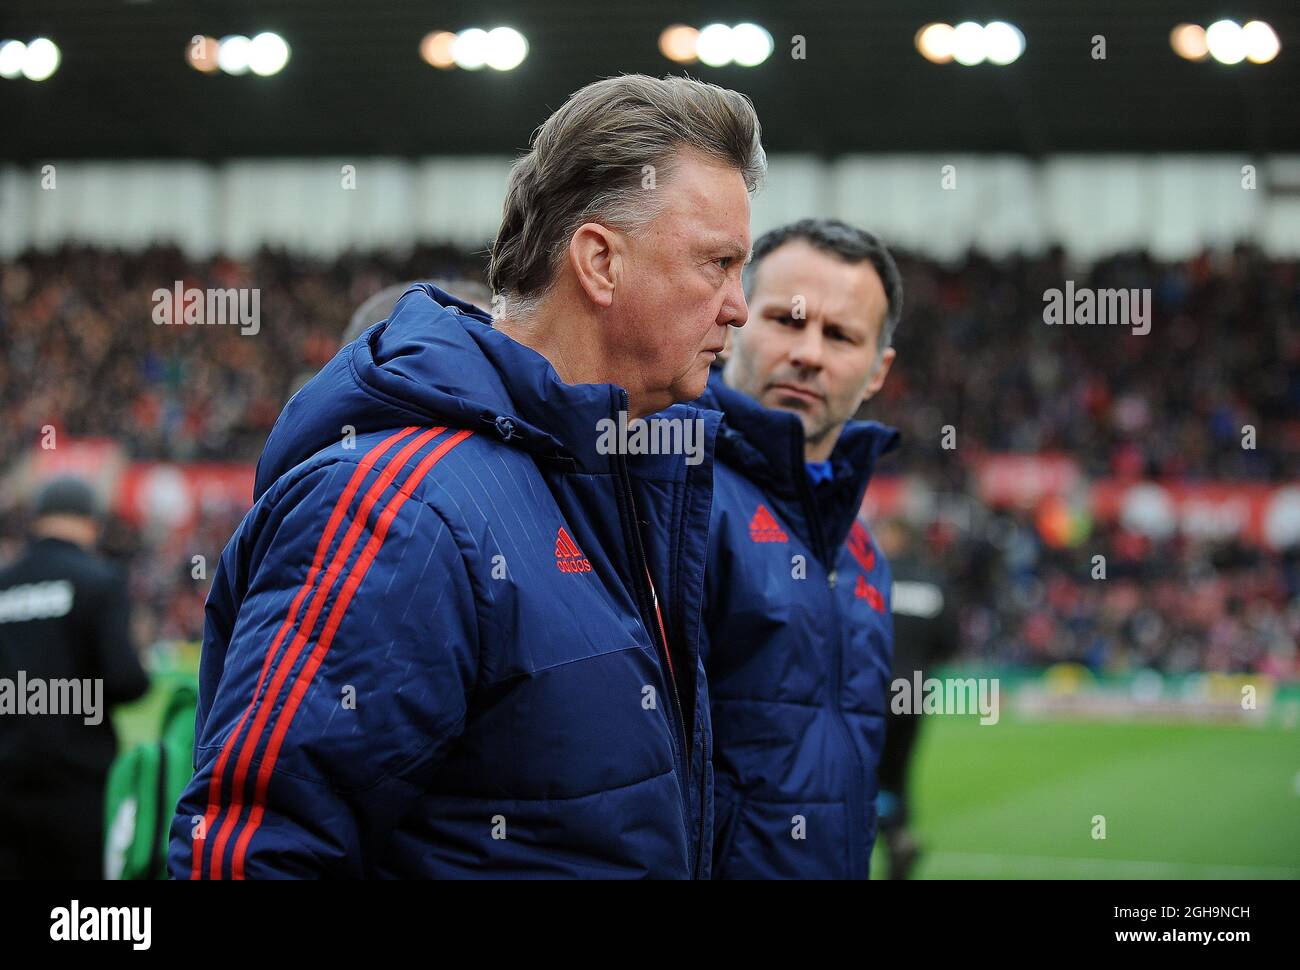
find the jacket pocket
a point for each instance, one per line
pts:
(783, 840)
(726, 811)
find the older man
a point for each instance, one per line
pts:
(797, 620)
(454, 637)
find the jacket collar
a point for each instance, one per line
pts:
(445, 355)
(439, 360)
(767, 446)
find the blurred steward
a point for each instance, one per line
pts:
(64, 617)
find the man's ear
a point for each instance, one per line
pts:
(878, 375)
(593, 253)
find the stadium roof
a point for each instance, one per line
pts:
(356, 85)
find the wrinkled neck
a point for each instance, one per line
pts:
(574, 348)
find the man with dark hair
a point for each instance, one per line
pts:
(797, 619)
(455, 636)
(64, 636)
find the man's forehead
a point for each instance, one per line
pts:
(713, 200)
(800, 265)
(734, 243)
(840, 290)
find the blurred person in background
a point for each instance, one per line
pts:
(797, 597)
(64, 616)
(925, 634)
(380, 305)
(377, 308)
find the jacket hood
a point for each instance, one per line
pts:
(438, 360)
(767, 446)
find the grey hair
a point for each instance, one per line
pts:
(588, 163)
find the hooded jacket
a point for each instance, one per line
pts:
(798, 644)
(433, 647)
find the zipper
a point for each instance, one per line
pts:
(699, 710)
(688, 754)
(857, 796)
(681, 507)
(641, 586)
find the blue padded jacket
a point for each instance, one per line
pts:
(798, 645)
(433, 645)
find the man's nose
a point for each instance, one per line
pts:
(735, 311)
(808, 348)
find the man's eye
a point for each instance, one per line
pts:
(725, 261)
(785, 319)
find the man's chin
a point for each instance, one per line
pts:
(691, 386)
(809, 415)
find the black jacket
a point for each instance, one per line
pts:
(64, 614)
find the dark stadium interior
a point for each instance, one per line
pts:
(358, 85)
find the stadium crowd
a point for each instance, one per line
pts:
(79, 351)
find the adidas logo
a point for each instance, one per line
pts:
(568, 557)
(860, 546)
(865, 591)
(764, 528)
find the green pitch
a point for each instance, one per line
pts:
(1017, 800)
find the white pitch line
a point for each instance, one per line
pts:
(1067, 866)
